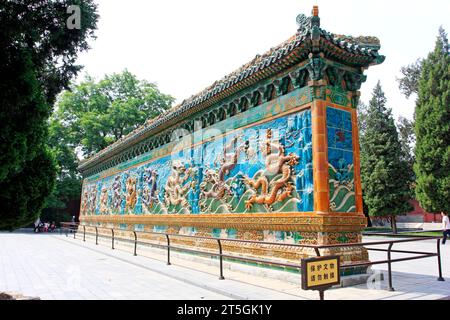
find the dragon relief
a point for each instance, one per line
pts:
(276, 163)
(92, 200)
(228, 161)
(343, 175)
(149, 193)
(177, 185)
(131, 195)
(84, 202)
(104, 201)
(117, 194)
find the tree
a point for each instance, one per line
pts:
(432, 128)
(37, 53)
(89, 118)
(407, 139)
(24, 194)
(362, 125)
(97, 114)
(362, 117)
(385, 189)
(409, 82)
(68, 180)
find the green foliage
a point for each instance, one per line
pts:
(383, 172)
(37, 53)
(407, 139)
(88, 118)
(432, 127)
(362, 116)
(23, 194)
(97, 114)
(68, 183)
(409, 82)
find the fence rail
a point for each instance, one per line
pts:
(75, 228)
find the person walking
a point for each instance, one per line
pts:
(36, 225)
(445, 226)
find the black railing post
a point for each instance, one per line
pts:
(112, 239)
(221, 260)
(74, 232)
(135, 243)
(390, 288)
(441, 278)
(96, 235)
(317, 251)
(67, 232)
(84, 233)
(168, 249)
(321, 295)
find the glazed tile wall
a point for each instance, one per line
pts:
(262, 168)
(340, 160)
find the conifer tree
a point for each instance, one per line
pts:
(383, 172)
(432, 128)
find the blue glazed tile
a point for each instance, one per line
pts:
(307, 135)
(292, 124)
(347, 124)
(348, 156)
(123, 226)
(334, 155)
(331, 137)
(279, 235)
(308, 201)
(300, 181)
(216, 233)
(306, 156)
(308, 173)
(232, 233)
(334, 118)
(307, 121)
(205, 156)
(348, 144)
(299, 119)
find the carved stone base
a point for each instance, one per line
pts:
(299, 228)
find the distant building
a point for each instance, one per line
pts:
(420, 215)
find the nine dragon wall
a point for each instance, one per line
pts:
(266, 166)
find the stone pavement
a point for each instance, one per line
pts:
(56, 267)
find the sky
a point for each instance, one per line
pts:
(184, 46)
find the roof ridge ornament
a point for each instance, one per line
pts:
(306, 24)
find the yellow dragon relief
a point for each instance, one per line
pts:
(104, 201)
(84, 202)
(276, 163)
(131, 195)
(176, 186)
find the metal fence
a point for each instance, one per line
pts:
(67, 228)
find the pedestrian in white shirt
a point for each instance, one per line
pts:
(445, 226)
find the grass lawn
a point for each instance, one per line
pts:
(403, 232)
(430, 234)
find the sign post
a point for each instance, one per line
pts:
(320, 273)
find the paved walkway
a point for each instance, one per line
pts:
(56, 267)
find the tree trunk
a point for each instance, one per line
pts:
(369, 221)
(393, 225)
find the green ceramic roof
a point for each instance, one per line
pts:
(310, 38)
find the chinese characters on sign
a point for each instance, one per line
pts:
(320, 273)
